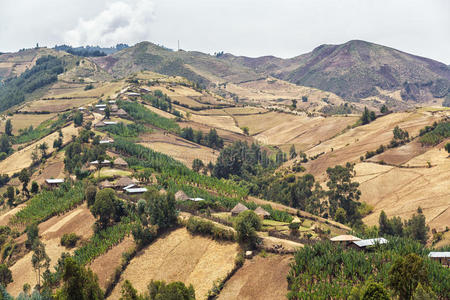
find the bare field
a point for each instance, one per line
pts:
(277, 128)
(79, 220)
(178, 148)
(179, 256)
(57, 105)
(22, 121)
(400, 191)
(223, 122)
(105, 265)
(53, 168)
(22, 158)
(349, 146)
(259, 278)
(400, 155)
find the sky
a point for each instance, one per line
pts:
(283, 28)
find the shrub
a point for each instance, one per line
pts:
(69, 240)
(203, 227)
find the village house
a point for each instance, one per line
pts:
(261, 212)
(345, 239)
(123, 182)
(238, 209)
(369, 243)
(120, 113)
(106, 140)
(105, 185)
(134, 191)
(181, 196)
(442, 258)
(54, 182)
(104, 163)
(120, 163)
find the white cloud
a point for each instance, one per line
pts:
(120, 22)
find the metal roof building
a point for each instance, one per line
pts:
(370, 242)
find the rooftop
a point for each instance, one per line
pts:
(56, 180)
(239, 208)
(439, 254)
(371, 242)
(345, 238)
(136, 190)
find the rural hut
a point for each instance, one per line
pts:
(441, 257)
(238, 209)
(106, 140)
(261, 212)
(124, 182)
(99, 124)
(345, 239)
(120, 113)
(54, 182)
(120, 163)
(134, 190)
(181, 196)
(105, 185)
(114, 108)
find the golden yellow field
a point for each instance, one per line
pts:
(22, 158)
(179, 256)
(400, 191)
(22, 121)
(79, 220)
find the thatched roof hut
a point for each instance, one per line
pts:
(123, 182)
(105, 184)
(181, 196)
(238, 209)
(261, 212)
(120, 163)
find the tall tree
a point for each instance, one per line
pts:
(343, 192)
(24, 177)
(79, 283)
(8, 127)
(406, 273)
(5, 275)
(292, 153)
(39, 260)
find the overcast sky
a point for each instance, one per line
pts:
(283, 28)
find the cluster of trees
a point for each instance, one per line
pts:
(159, 100)
(158, 290)
(303, 192)
(45, 71)
(212, 139)
(126, 130)
(414, 228)
(367, 116)
(243, 161)
(433, 135)
(79, 152)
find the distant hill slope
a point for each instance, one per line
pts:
(354, 70)
(195, 66)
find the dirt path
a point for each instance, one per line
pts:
(259, 278)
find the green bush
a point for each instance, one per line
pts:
(203, 227)
(69, 240)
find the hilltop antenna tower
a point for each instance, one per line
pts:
(178, 45)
